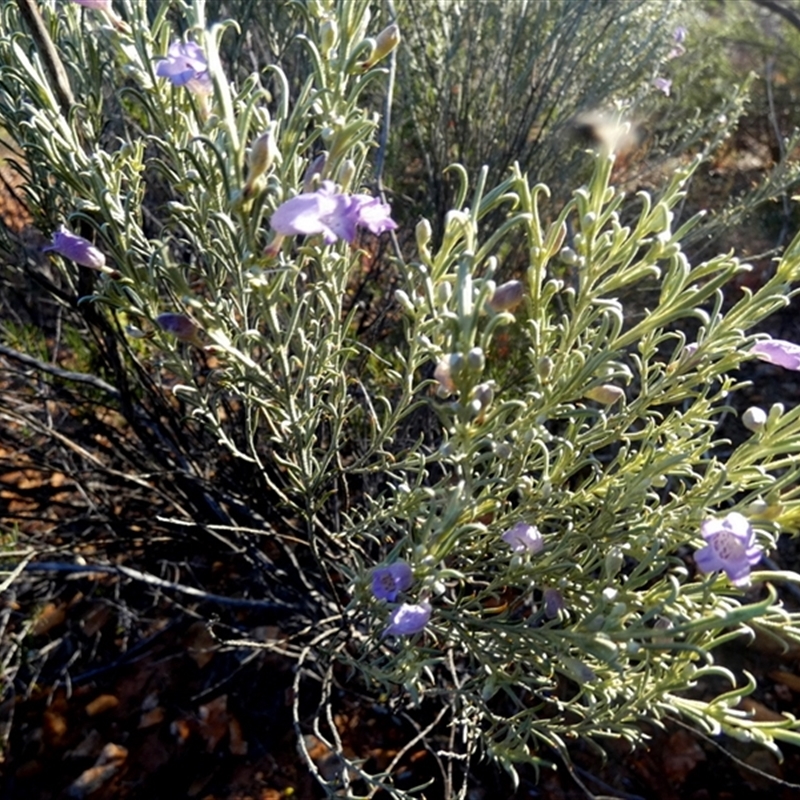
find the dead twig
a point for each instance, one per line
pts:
(52, 61)
(64, 374)
(152, 580)
(784, 11)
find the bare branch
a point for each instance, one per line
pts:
(791, 16)
(152, 580)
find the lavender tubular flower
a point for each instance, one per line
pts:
(779, 352)
(98, 5)
(388, 582)
(77, 249)
(663, 85)
(731, 548)
(186, 65)
(332, 214)
(523, 537)
(678, 37)
(408, 619)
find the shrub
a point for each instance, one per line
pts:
(514, 513)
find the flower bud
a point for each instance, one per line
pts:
(385, 42)
(179, 325)
(475, 408)
(328, 36)
(754, 419)
(313, 173)
(347, 172)
(455, 226)
(507, 296)
(484, 394)
(262, 154)
(665, 625)
(476, 360)
(765, 510)
(135, 332)
(444, 291)
(607, 394)
(503, 451)
(569, 256)
(404, 300)
(609, 594)
(613, 561)
(423, 233)
(553, 603)
(446, 370)
(317, 8)
(489, 689)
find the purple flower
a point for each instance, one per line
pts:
(186, 65)
(679, 37)
(777, 351)
(524, 537)
(331, 213)
(731, 548)
(388, 582)
(663, 85)
(77, 249)
(408, 619)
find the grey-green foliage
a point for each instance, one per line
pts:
(498, 82)
(619, 491)
(502, 82)
(754, 47)
(347, 439)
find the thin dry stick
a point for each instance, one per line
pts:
(422, 733)
(152, 580)
(773, 118)
(49, 54)
(64, 374)
(738, 761)
(784, 11)
(17, 571)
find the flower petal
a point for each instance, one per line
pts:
(77, 249)
(779, 352)
(524, 537)
(408, 619)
